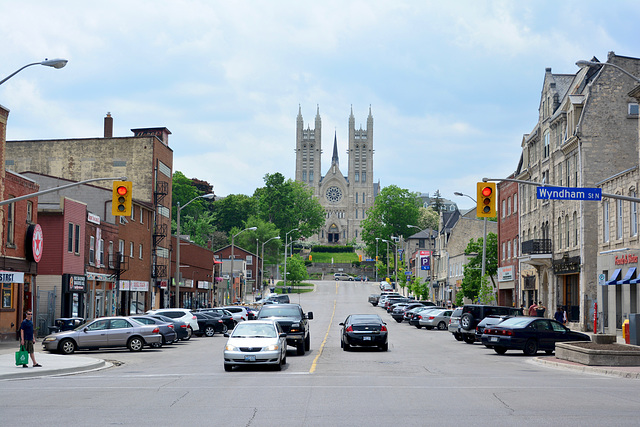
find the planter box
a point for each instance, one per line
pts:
(620, 356)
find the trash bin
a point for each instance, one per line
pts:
(625, 331)
(288, 289)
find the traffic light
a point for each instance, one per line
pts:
(486, 197)
(310, 257)
(121, 198)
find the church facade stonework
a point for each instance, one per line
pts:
(345, 198)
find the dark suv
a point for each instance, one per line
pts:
(472, 314)
(293, 321)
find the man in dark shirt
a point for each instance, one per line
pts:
(27, 338)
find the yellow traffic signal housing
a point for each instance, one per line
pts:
(486, 200)
(121, 199)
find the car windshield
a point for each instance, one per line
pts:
(279, 311)
(254, 330)
(516, 322)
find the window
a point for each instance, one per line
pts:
(568, 231)
(7, 295)
(121, 249)
(503, 250)
(100, 260)
(10, 222)
(559, 233)
(357, 177)
(130, 249)
(70, 239)
(363, 199)
(356, 198)
(509, 206)
(133, 213)
(515, 203)
(619, 221)
(575, 228)
(110, 254)
(29, 212)
(605, 221)
(249, 274)
(77, 240)
(575, 170)
(515, 247)
(304, 176)
(92, 250)
(504, 210)
(547, 139)
(140, 251)
(508, 249)
(310, 176)
(633, 110)
(141, 215)
(634, 216)
(568, 171)
(356, 213)
(249, 259)
(364, 177)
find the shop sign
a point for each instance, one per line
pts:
(35, 240)
(164, 284)
(626, 259)
(134, 285)
(505, 274)
(74, 283)
(567, 265)
(204, 285)
(425, 260)
(11, 277)
(93, 218)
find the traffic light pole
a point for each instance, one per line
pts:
(63, 187)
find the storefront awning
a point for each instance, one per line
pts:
(614, 277)
(631, 275)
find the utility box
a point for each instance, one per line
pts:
(634, 329)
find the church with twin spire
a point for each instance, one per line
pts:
(346, 198)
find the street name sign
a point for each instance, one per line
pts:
(569, 193)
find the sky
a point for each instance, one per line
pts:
(452, 85)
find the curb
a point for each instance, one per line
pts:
(72, 366)
(612, 371)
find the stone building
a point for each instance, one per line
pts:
(583, 135)
(345, 198)
(144, 158)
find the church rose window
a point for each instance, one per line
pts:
(334, 194)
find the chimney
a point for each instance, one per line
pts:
(108, 126)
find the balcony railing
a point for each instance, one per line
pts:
(536, 246)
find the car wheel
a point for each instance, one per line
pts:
(135, 344)
(530, 347)
(468, 338)
(278, 366)
(500, 350)
(307, 342)
(228, 368)
(67, 346)
(189, 334)
(300, 348)
(384, 347)
(225, 329)
(442, 326)
(399, 320)
(284, 358)
(466, 322)
(458, 337)
(346, 347)
(419, 326)
(209, 331)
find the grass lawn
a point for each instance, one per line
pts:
(339, 257)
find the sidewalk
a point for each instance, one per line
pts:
(52, 364)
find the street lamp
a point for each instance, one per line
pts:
(286, 237)
(55, 63)
(204, 196)
(376, 266)
(484, 236)
(232, 257)
(262, 258)
(583, 63)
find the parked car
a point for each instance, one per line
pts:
(472, 314)
(208, 325)
(397, 311)
(529, 334)
(181, 328)
(435, 319)
(373, 299)
(406, 310)
(256, 342)
(293, 321)
(183, 314)
(342, 276)
(488, 322)
(226, 316)
(278, 299)
(454, 323)
(104, 332)
(392, 301)
(252, 313)
(365, 330)
(414, 319)
(238, 312)
(167, 329)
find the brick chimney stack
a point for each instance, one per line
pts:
(108, 126)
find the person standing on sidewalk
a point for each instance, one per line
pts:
(27, 338)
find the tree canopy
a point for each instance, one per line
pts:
(471, 284)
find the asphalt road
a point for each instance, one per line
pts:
(426, 378)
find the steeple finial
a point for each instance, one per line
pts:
(334, 159)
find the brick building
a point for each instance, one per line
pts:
(509, 292)
(245, 272)
(197, 288)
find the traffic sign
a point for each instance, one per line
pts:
(569, 193)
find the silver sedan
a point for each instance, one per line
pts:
(102, 333)
(256, 342)
(436, 319)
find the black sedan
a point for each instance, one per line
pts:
(181, 328)
(209, 325)
(366, 330)
(227, 317)
(528, 334)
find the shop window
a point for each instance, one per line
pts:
(92, 250)
(7, 295)
(29, 212)
(10, 223)
(249, 259)
(70, 239)
(77, 240)
(101, 252)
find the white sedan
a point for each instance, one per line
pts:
(435, 319)
(256, 342)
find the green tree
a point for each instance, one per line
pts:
(289, 204)
(472, 270)
(296, 269)
(487, 294)
(195, 218)
(393, 210)
(233, 211)
(428, 218)
(438, 205)
(250, 239)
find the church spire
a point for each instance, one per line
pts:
(334, 159)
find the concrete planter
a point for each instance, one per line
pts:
(618, 355)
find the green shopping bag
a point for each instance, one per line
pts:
(22, 357)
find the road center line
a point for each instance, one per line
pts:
(315, 361)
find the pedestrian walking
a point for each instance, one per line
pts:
(559, 315)
(532, 310)
(564, 316)
(540, 309)
(28, 338)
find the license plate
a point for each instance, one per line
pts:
(366, 338)
(493, 339)
(249, 358)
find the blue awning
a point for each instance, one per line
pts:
(614, 277)
(631, 274)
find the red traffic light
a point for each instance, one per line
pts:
(486, 191)
(122, 190)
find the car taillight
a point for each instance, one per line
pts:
(220, 321)
(156, 330)
(431, 317)
(171, 326)
(383, 328)
(349, 329)
(194, 317)
(183, 326)
(419, 316)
